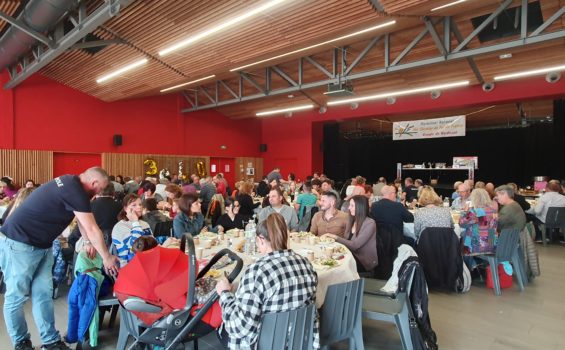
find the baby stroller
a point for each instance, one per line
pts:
(158, 300)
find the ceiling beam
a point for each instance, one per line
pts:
(461, 52)
(103, 13)
(29, 31)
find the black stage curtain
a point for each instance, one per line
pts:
(505, 155)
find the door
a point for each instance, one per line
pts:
(74, 163)
(226, 166)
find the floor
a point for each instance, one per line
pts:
(532, 319)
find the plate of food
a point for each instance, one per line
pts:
(304, 234)
(326, 240)
(208, 235)
(325, 263)
(340, 248)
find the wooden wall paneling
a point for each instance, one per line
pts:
(241, 165)
(21, 165)
(132, 164)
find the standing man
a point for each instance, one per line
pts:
(275, 175)
(26, 257)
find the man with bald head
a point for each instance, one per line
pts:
(389, 211)
(25, 251)
(464, 193)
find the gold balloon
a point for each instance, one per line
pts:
(201, 168)
(150, 167)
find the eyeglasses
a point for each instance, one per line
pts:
(236, 206)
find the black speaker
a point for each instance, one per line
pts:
(263, 147)
(117, 140)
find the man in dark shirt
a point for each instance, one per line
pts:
(410, 191)
(26, 257)
(389, 211)
(206, 193)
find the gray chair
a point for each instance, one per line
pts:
(507, 249)
(340, 317)
(381, 307)
(555, 218)
(291, 330)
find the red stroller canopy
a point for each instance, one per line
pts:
(159, 277)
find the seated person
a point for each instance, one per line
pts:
(464, 192)
(276, 205)
(478, 226)
(152, 215)
(455, 194)
(551, 198)
(431, 213)
(215, 209)
(329, 219)
(410, 192)
(231, 219)
(149, 192)
(279, 281)
(361, 234)
(129, 228)
(511, 216)
(389, 211)
(305, 199)
(190, 218)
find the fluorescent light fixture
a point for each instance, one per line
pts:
(366, 30)
(121, 70)
(285, 110)
(399, 93)
(529, 73)
(447, 5)
(190, 82)
(220, 27)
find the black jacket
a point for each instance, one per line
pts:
(440, 257)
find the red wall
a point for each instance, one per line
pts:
(74, 163)
(50, 116)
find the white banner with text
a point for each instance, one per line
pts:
(429, 128)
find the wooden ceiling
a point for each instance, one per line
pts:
(148, 26)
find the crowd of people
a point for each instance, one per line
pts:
(120, 211)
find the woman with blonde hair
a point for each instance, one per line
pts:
(431, 213)
(478, 224)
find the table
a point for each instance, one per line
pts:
(346, 271)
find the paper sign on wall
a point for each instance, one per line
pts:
(429, 128)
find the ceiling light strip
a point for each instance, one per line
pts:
(529, 73)
(447, 5)
(190, 82)
(370, 29)
(285, 110)
(121, 71)
(220, 27)
(400, 93)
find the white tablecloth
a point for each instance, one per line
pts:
(346, 271)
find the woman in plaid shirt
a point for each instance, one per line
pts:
(279, 281)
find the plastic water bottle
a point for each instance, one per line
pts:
(446, 202)
(250, 236)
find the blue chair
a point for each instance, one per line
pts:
(506, 250)
(290, 330)
(386, 308)
(340, 317)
